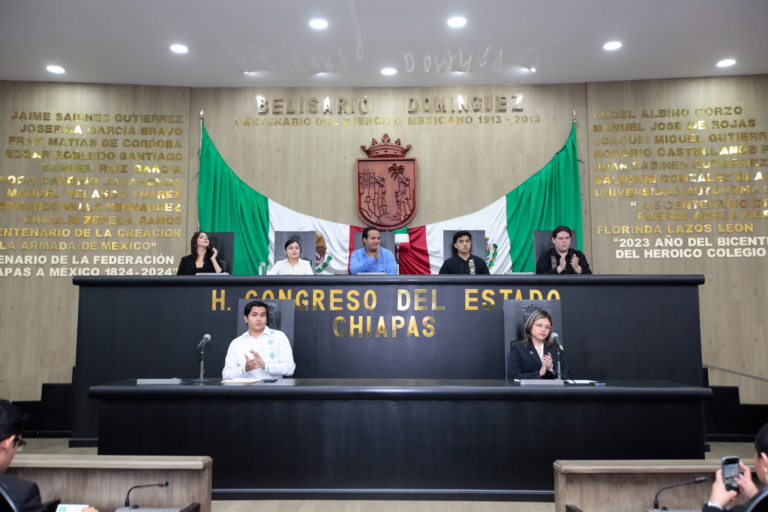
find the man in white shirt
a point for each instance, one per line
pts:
(260, 353)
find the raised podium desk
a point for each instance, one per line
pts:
(400, 438)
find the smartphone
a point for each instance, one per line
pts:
(730, 472)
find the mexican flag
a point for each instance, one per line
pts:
(547, 199)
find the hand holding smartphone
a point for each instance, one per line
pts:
(730, 466)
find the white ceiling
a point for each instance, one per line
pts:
(127, 41)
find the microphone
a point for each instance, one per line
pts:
(697, 480)
(560, 350)
(159, 484)
(203, 341)
(556, 339)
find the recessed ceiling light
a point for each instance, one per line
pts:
(389, 71)
(318, 24)
(533, 70)
(179, 48)
(725, 63)
(457, 22)
(55, 69)
(613, 45)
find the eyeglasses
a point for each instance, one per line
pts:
(544, 326)
(20, 444)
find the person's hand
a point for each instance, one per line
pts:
(258, 359)
(747, 488)
(719, 493)
(546, 364)
(378, 253)
(89, 509)
(561, 267)
(250, 364)
(575, 264)
(215, 252)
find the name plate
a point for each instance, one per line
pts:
(158, 382)
(541, 382)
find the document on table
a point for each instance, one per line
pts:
(241, 381)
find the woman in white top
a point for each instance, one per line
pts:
(292, 265)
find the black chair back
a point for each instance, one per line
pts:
(759, 502)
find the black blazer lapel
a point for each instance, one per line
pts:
(533, 354)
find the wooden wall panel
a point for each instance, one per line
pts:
(462, 168)
(733, 322)
(38, 316)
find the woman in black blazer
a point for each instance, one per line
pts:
(201, 259)
(536, 356)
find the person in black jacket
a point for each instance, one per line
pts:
(720, 496)
(463, 262)
(201, 259)
(562, 259)
(536, 356)
(24, 493)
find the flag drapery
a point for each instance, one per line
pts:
(548, 198)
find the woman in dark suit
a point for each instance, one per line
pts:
(535, 357)
(721, 497)
(202, 257)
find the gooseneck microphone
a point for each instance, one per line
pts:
(159, 484)
(697, 480)
(559, 351)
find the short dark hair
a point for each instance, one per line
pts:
(256, 304)
(368, 230)
(562, 228)
(12, 420)
(460, 234)
(291, 240)
(761, 440)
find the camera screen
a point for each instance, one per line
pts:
(730, 471)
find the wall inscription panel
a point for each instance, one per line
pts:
(93, 181)
(679, 184)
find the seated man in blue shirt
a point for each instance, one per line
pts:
(373, 257)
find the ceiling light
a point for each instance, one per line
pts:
(179, 48)
(389, 71)
(613, 45)
(55, 69)
(318, 24)
(462, 69)
(457, 22)
(725, 63)
(533, 70)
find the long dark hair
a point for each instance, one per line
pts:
(193, 247)
(537, 315)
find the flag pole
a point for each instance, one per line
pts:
(200, 146)
(200, 150)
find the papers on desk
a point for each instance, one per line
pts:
(537, 382)
(241, 381)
